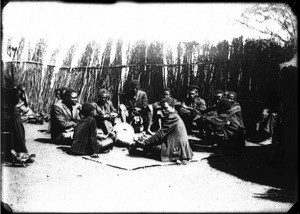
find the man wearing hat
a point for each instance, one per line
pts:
(192, 107)
(135, 107)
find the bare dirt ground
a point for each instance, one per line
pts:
(58, 182)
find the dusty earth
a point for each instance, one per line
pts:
(58, 182)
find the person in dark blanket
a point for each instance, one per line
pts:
(105, 113)
(269, 125)
(235, 106)
(64, 117)
(85, 140)
(224, 128)
(170, 143)
(134, 108)
(192, 108)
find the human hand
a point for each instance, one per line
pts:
(113, 114)
(265, 113)
(139, 143)
(94, 155)
(137, 109)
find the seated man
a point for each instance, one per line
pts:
(235, 106)
(104, 113)
(192, 107)
(58, 95)
(85, 140)
(170, 143)
(156, 109)
(135, 110)
(64, 117)
(224, 128)
(217, 96)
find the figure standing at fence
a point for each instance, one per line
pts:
(12, 129)
(170, 143)
(192, 108)
(105, 113)
(134, 108)
(64, 117)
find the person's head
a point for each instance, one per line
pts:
(70, 97)
(103, 96)
(134, 86)
(226, 92)
(223, 105)
(62, 92)
(87, 109)
(21, 87)
(166, 92)
(167, 105)
(193, 91)
(231, 96)
(218, 95)
(57, 93)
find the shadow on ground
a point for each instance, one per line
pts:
(43, 140)
(253, 166)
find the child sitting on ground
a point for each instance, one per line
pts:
(85, 139)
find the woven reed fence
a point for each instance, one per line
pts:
(250, 69)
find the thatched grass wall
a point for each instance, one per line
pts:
(251, 69)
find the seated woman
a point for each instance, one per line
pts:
(27, 115)
(170, 143)
(85, 139)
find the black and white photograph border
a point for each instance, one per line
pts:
(248, 48)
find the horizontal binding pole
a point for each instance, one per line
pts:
(142, 64)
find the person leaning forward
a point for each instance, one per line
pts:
(64, 117)
(85, 140)
(170, 143)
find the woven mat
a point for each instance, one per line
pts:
(120, 158)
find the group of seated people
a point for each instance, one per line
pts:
(93, 128)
